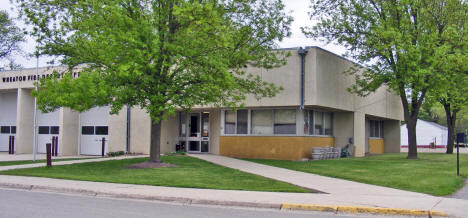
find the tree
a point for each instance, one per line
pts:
(160, 55)
(451, 62)
(394, 41)
(453, 100)
(10, 37)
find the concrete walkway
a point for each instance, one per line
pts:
(4, 156)
(345, 192)
(11, 167)
(312, 181)
(462, 193)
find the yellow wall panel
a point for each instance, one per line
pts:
(271, 147)
(376, 146)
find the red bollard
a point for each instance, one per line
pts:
(9, 145)
(56, 146)
(103, 146)
(49, 155)
(53, 146)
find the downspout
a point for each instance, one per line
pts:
(302, 52)
(128, 130)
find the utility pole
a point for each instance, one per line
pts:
(35, 110)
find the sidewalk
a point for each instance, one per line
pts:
(462, 193)
(344, 192)
(213, 197)
(4, 156)
(11, 167)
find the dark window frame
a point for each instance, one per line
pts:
(5, 129)
(89, 130)
(43, 130)
(54, 130)
(101, 130)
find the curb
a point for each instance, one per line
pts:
(180, 200)
(190, 201)
(361, 209)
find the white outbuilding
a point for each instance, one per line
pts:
(426, 133)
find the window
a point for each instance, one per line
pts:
(262, 122)
(44, 130)
(318, 123)
(13, 129)
(327, 123)
(236, 122)
(276, 122)
(54, 130)
(242, 121)
(5, 130)
(183, 127)
(285, 122)
(87, 130)
(230, 122)
(308, 122)
(205, 124)
(101, 130)
(376, 128)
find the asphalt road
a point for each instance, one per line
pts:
(21, 203)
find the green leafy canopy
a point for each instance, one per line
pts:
(404, 45)
(10, 38)
(159, 55)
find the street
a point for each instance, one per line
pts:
(20, 203)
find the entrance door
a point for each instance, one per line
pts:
(198, 132)
(7, 119)
(94, 127)
(48, 126)
(194, 133)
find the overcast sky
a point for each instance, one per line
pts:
(297, 8)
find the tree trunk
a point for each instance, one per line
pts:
(451, 117)
(155, 147)
(411, 113)
(412, 146)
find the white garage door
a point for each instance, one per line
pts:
(94, 127)
(48, 126)
(7, 118)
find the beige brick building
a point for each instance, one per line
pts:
(313, 110)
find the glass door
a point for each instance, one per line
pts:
(194, 130)
(194, 133)
(205, 139)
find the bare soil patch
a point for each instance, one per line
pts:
(146, 165)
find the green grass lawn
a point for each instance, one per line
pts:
(433, 174)
(22, 162)
(190, 172)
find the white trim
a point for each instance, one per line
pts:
(285, 135)
(376, 138)
(79, 133)
(299, 122)
(222, 121)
